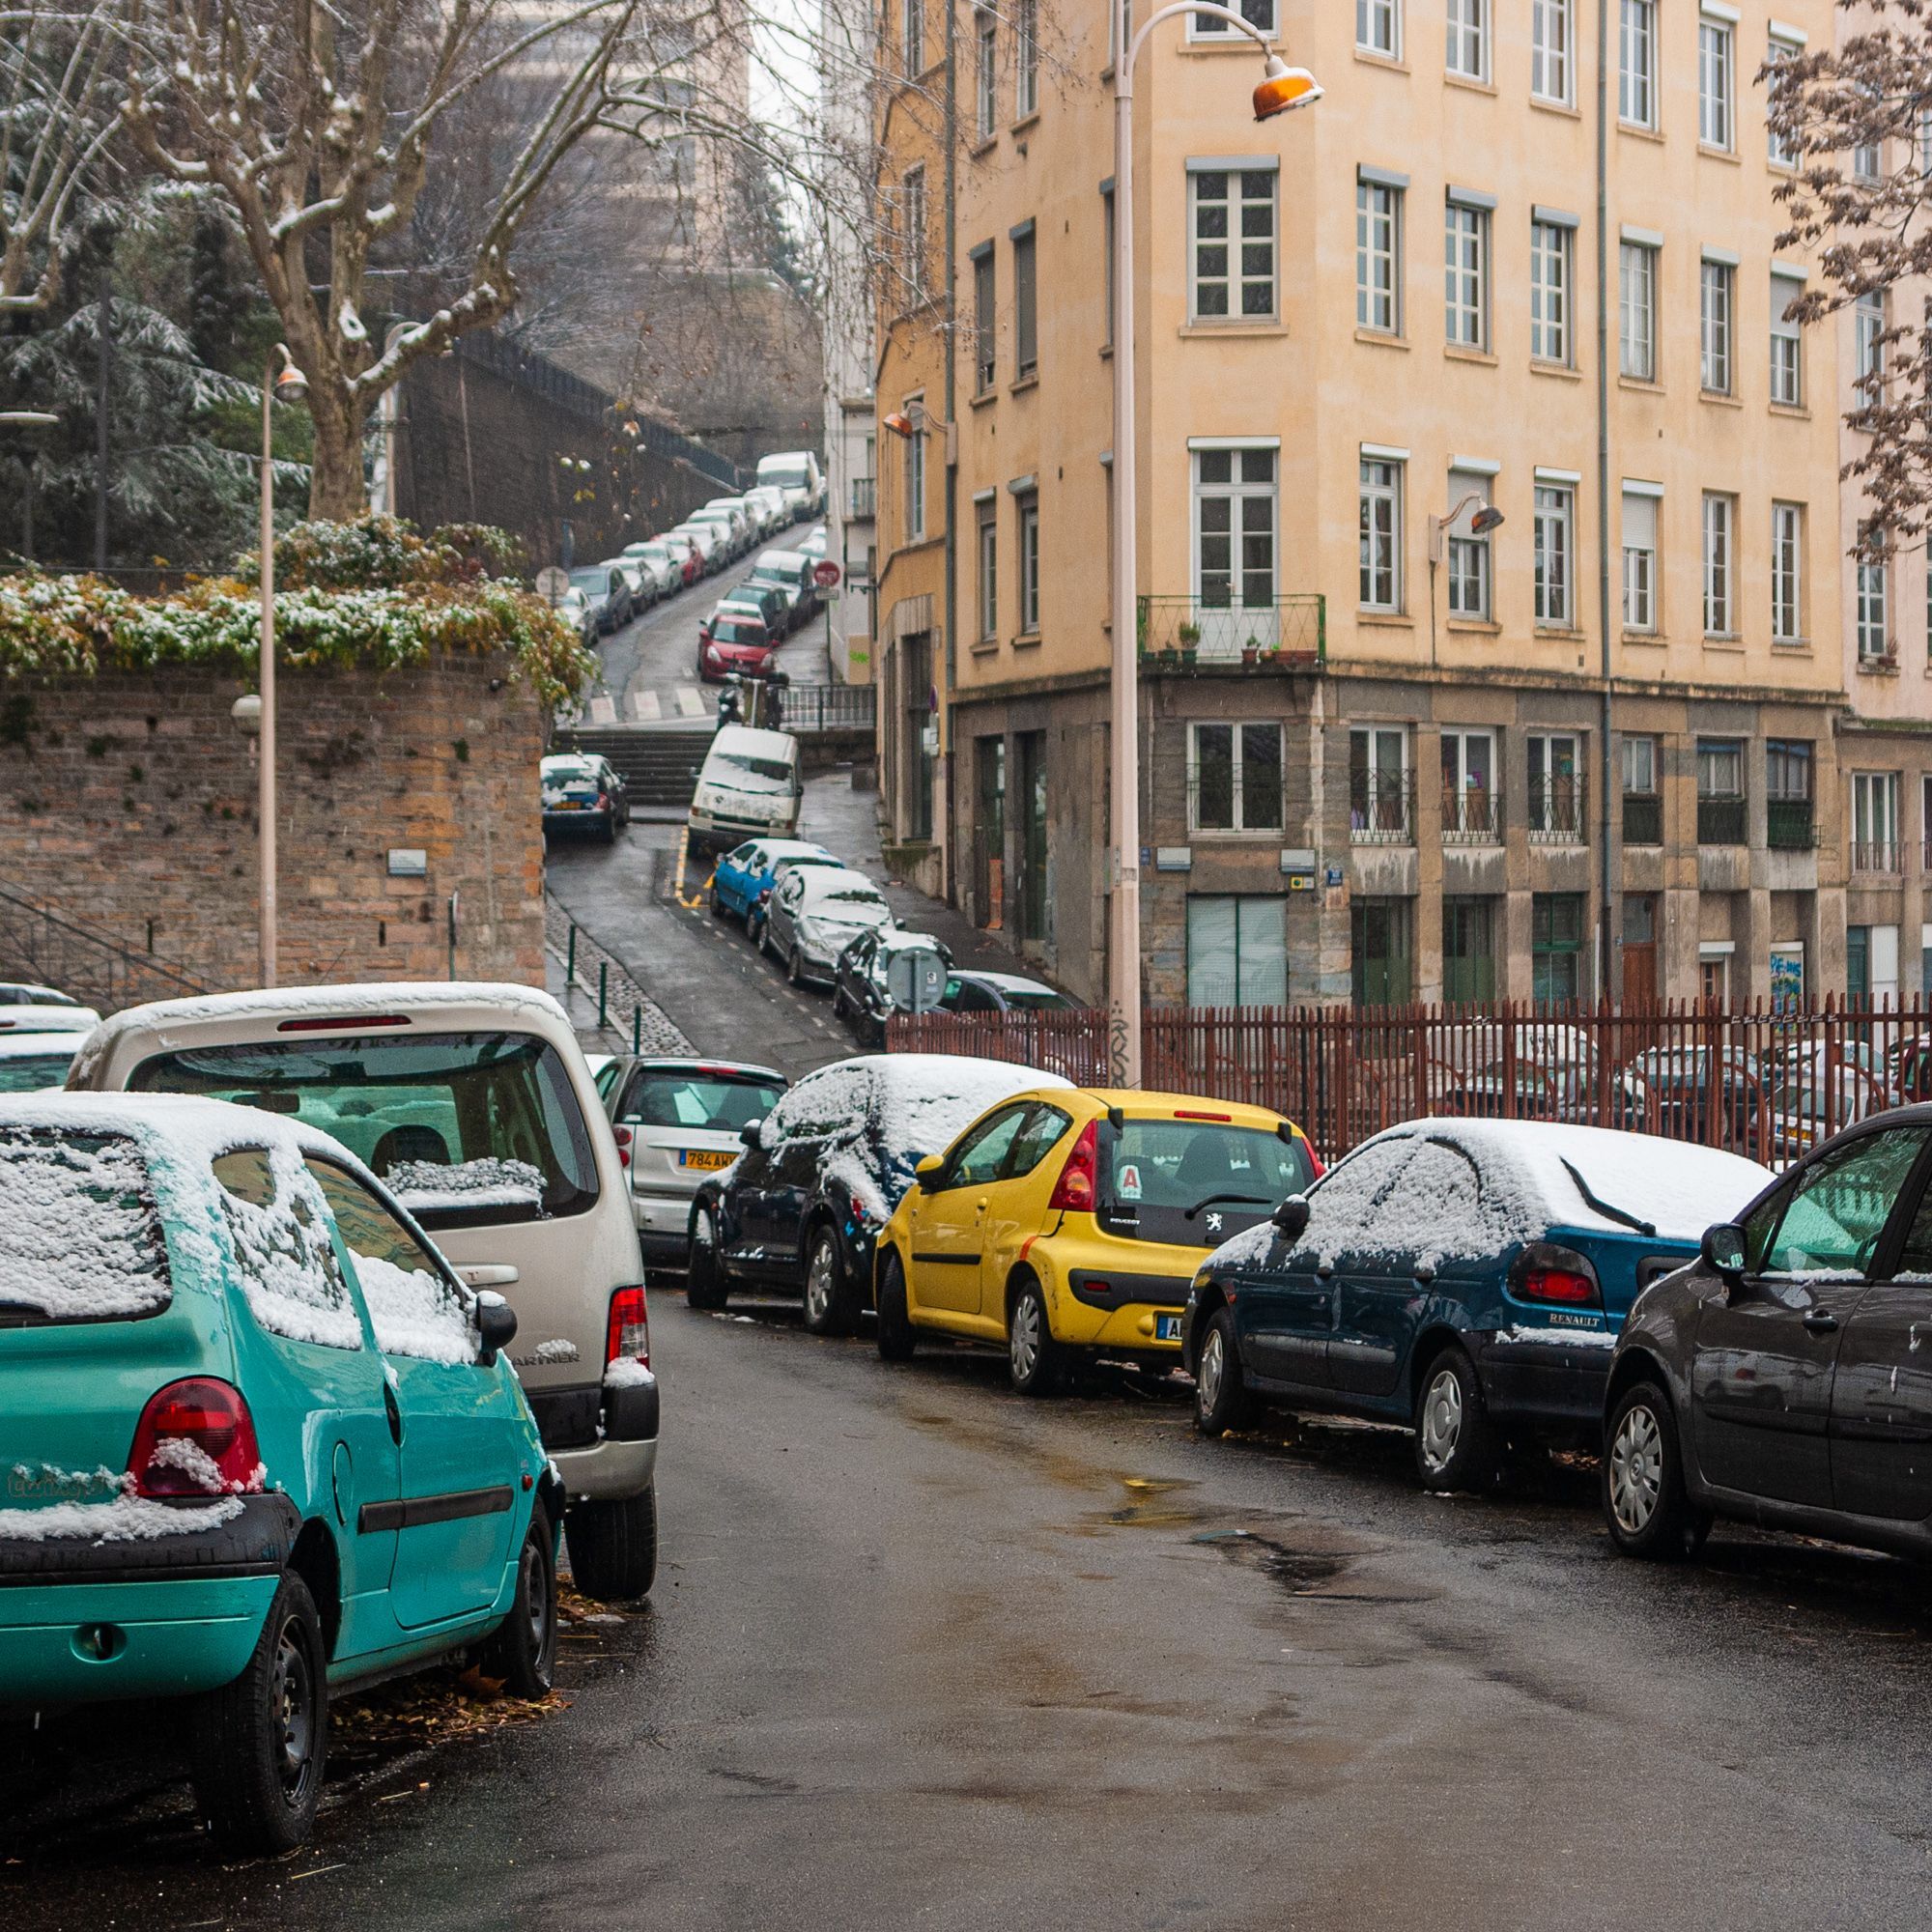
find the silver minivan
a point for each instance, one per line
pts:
(474, 1104)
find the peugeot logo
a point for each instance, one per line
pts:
(1213, 1224)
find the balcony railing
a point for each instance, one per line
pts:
(1875, 855)
(1557, 811)
(1720, 821)
(1643, 818)
(1265, 635)
(1789, 825)
(865, 499)
(1471, 817)
(1381, 808)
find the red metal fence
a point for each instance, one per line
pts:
(1762, 1083)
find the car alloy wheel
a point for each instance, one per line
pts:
(825, 1298)
(1023, 1339)
(1636, 1469)
(795, 968)
(1441, 1421)
(1212, 1372)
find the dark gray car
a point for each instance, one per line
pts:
(1783, 1378)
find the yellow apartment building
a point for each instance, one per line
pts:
(1519, 259)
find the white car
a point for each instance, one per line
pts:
(770, 503)
(474, 1104)
(30, 1062)
(796, 472)
(710, 542)
(38, 1018)
(657, 564)
(748, 783)
(815, 913)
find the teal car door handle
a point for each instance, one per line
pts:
(395, 1414)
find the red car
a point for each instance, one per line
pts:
(691, 558)
(728, 642)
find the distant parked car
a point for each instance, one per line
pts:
(1467, 1277)
(261, 1436)
(47, 1019)
(30, 1061)
(641, 584)
(822, 1173)
(1780, 1380)
(815, 543)
(743, 874)
(582, 790)
(796, 472)
(769, 501)
(659, 569)
(876, 974)
(733, 529)
(711, 545)
(765, 602)
(733, 640)
(683, 1119)
(976, 992)
(603, 588)
(789, 571)
(577, 611)
(30, 993)
(684, 549)
(815, 915)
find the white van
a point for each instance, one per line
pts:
(749, 787)
(796, 472)
(475, 1105)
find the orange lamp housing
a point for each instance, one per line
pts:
(1284, 88)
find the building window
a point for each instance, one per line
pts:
(1717, 85)
(1555, 543)
(1468, 950)
(1720, 791)
(1643, 805)
(1787, 344)
(1639, 547)
(1026, 58)
(915, 472)
(1550, 284)
(1382, 952)
(1468, 37)
(1868, 339)
(1873, 611)
(1555, 946)
(1714, 289)
(1778, 147)
(1551, 25)
(1377, 257)
(1378, 27)
(1107, 266)
(1381, 535)
(1875, 844)
(913, 36)
(1787, 573)
(1469, 552)
(912, 201)
(1231, 227)
(1636, 63)
(1237, 952)
(1868, 160)
(1256, 13)
(1556, 787)
(1233, 778)
(1465, 274)
(986, 330)
(989, 572)
(1380, 790)
(1719, 564)
(1637, 311)
(1233, 542)
(986, 74)
(1026, 314)
(1787, 794)
(1029, 534)
(1469, 795)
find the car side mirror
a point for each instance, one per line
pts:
(1724, 1251)
(928, 1171)
(1290, 1218)
(495, 1325)
(752, 1133)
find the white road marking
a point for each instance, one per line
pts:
(647, 705)
(603, 711)
(690, 701)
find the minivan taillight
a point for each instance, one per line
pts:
(630, 1330)
(1073, 1192)
(195, 1438)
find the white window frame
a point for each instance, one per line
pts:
(1787, 573)
(1466, 275)
(1779, 48)
(986, 570)
(1553, 535)
(1636, 311)
(1238, 730)
(912, 36)
(1639, 562)
(1869, 322)
(1541, 816)
(1377, 257)
(1467, 38)
(986, 73)
(1871, 614)
(1875, 801)
(1235, 279)
(1237, 493)
(1380, 519)
(1716, 326)
(1457, 785)
(1787, 344)
(1026, 58)
(1720, 563)
(1258, 14)
(915, 472)
(1553, 51)
(1378, 27)
(911, 205)
(1378, 735)
(1552, 282)
(1717, 84)
(1639, 765)
(1029, 565)
(1471, 587)
(1636, 63)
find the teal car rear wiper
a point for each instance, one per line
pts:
(1603, 1207)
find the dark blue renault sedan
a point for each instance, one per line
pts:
(1467, 1277)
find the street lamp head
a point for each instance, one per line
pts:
(901, 424)
(1285, 88)
(290, 384)
(1486, 520)
(246, 712)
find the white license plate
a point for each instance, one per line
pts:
(1167, 1327)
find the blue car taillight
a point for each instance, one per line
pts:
(1556, 1275)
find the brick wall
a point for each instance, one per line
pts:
(131, 800)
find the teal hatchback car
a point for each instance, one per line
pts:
(260, 1441)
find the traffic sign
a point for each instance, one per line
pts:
(552, 583)
(825, 573)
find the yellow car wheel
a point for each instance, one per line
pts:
(1034, 1360)
(897, 1337)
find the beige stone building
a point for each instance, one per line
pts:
(1384, 756)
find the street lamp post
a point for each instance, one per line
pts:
(281, 382)
(1282, 88)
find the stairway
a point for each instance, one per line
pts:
(658, 763)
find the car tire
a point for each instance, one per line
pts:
(1456, 1445)
(1642, 1480)
(614, 1547)
(897, 1337)
(840, 1006)
(704, 1285)
(1222, 1397)
(764, 938)
(260, 1743)
(794, 968)
(1035, 1361)
(522, 1648)
(828, 1284)
(609, 832)
(718, 909)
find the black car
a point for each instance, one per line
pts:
(876, 973)
(976, 992)
(1782, 1378)
(798, 1212)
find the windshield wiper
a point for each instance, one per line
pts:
(1251, 1199)
(1603, 1207)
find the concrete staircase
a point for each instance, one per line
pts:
(659, 763)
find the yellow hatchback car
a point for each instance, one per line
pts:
(1068, 1221)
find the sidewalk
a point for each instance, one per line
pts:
(632, 1017)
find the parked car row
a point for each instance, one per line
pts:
(261, 1271)
(745, 629)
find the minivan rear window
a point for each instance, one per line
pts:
(80, 1240)
(469, 1129)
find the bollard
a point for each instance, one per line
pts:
(570, 957)
(603, 993)
(637, 1028)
